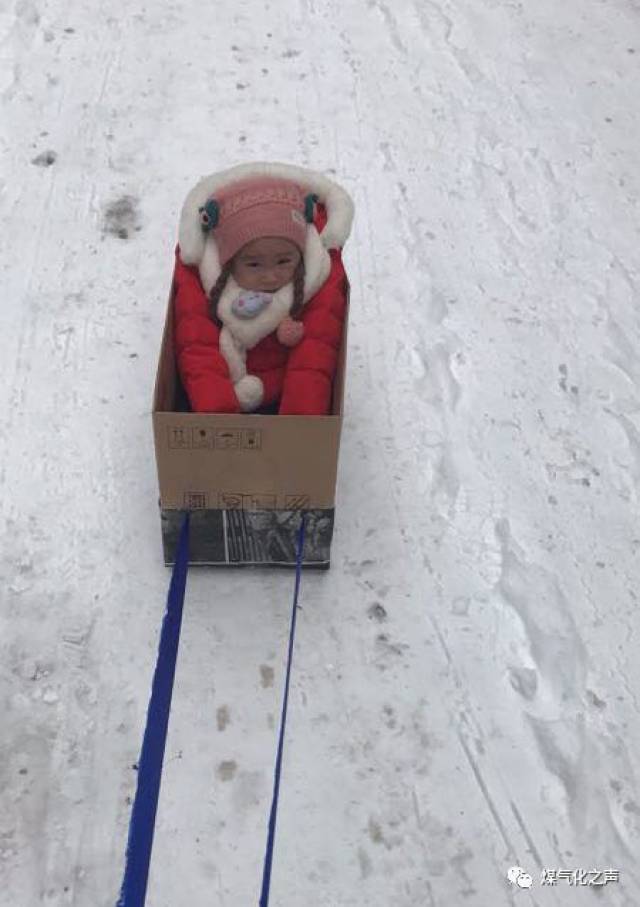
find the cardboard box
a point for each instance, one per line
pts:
(245, 479)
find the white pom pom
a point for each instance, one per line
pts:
(250, 392)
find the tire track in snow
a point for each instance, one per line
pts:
(380, 315)
(490, 783)
(495, 813)
(556, 713)
(28, 17)
(445, 395)
(27, 331)
(548, 695)
(436, 386)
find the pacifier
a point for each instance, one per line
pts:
(250, 303)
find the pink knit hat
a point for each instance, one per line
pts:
(252, 208)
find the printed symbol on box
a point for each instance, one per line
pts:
(251, 439)
(229, 501)
(296, 501)
(260, 501)
(179, 439)
(227, 439)
(202, 437)
(195, 500)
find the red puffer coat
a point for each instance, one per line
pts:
(300, 378)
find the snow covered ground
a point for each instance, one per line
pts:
(466, 689)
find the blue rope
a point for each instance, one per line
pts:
(143, 816)
(266, 877)
(145, 804)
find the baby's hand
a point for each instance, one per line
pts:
(290, 332)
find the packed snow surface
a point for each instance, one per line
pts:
(466, 682)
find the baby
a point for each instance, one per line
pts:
(263, 267)
(260, 290)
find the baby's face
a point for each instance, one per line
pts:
(266, 264)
